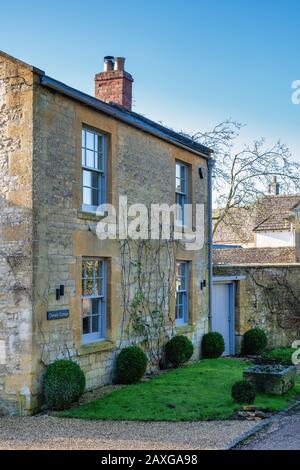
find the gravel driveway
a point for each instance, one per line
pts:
(47, 432)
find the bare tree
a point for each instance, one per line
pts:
(241, 177)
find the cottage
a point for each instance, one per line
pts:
(271, 222)
(257, 271)
(64, 290)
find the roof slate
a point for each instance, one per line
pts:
(274, 213)
(170, 132)
(255, 256)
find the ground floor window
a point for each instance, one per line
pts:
(182, 286)
(93, 300)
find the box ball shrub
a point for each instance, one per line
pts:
(179, 350)
(131, 365)
(243, 392)
(254, 341)
(213, 345)
(64, 383)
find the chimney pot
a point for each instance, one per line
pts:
(274, 187)
(114, 84)
(120, 64)
(108, 63)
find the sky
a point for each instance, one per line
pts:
(194, 62)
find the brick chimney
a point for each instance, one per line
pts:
(114, 85)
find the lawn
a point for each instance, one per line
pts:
(197, 392)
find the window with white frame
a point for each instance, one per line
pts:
(93, 300)
(182, 287)
(93, 169)
(181, 193)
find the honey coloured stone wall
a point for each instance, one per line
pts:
(16, 97)
(140, 167)
(44, 234)
(268, 297)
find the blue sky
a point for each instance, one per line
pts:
(194, 62)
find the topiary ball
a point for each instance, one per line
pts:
(131, 365)
(243, 392)
(179, 350)
(254, 341)
(64, 383)
(213, 345)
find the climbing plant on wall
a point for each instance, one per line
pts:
(278, 290)
(148, 284)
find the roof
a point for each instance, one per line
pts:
(274, 213)
(236, 228)
(269, 214)
(118, 112)
(129, 117)
(255, 256)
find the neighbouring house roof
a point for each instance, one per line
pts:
(274, 213)
(236, 228)
(118, 112)
(255, 256)
(270, 213)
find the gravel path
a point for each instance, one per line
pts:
(47, 432)
(282, 434)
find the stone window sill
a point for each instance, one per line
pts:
(185, 329)
(91, 348)
(89, 215)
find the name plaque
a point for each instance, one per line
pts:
(58, 314)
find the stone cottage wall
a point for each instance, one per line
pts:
(139, 166)
(15, 236)
(269, 297)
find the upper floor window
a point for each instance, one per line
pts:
(182, 287)
(181, 193)
(93, 300)
(93, 170)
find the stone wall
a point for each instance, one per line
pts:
(16, 96)
(44, 234)
(268, 297)
(139, 166)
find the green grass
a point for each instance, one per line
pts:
(280, 355)
(197, 392)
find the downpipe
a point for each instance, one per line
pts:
(210, 165)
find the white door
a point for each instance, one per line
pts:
(223, 314)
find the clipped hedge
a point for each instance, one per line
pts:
(179, 350)
(243, 392)
(213, 345)
(64, 383)
(254, 341)
(131, 365)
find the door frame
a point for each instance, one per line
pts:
(231, 281)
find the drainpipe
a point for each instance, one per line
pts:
(210, 165)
